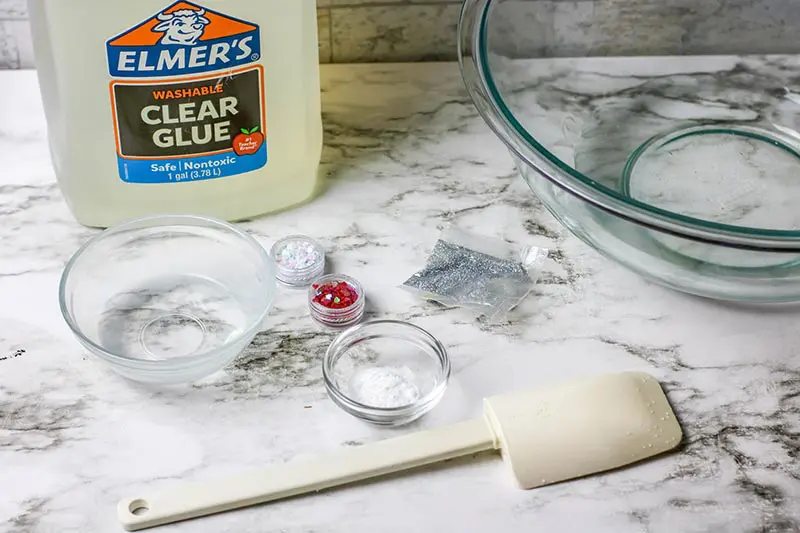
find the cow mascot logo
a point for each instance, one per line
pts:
(183, 27)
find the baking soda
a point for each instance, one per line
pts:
(384, 387)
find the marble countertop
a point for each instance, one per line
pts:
(406, 155)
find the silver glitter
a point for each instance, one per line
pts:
(475, 272)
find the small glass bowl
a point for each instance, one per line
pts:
(402, 359)
(342, 317)
(168, 299)
(298, 275)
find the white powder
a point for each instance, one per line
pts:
(383, 387)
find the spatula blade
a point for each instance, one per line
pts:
(582, 427)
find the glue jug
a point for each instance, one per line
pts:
(155, 106)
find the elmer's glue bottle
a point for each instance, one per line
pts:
(154, 106)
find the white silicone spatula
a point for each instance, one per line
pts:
(546, 436)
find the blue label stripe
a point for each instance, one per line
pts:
(199, 168)
(162, 60)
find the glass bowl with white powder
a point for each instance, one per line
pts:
(386, 372)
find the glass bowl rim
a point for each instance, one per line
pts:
(473, 52)
(341, 344)
(164, 221)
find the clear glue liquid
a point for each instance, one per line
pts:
(155, 106)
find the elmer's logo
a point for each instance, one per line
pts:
(184, 38)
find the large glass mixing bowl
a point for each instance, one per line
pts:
(684, 168)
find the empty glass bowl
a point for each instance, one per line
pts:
(168, 299)
(684, 168)
(386, 372)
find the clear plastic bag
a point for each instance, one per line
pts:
(479, 273)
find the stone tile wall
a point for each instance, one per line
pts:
(424, 30)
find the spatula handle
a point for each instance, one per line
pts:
(300, 477)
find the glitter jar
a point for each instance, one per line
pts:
(336, 301)
(299, 260)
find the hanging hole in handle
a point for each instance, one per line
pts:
(138, 507)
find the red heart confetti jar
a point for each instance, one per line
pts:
(336, 301)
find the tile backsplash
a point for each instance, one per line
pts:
(424, 30)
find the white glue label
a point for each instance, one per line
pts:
(174, 118)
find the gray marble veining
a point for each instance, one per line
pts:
(420, 30)
(406, 154)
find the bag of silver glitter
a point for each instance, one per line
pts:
(477, 272)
